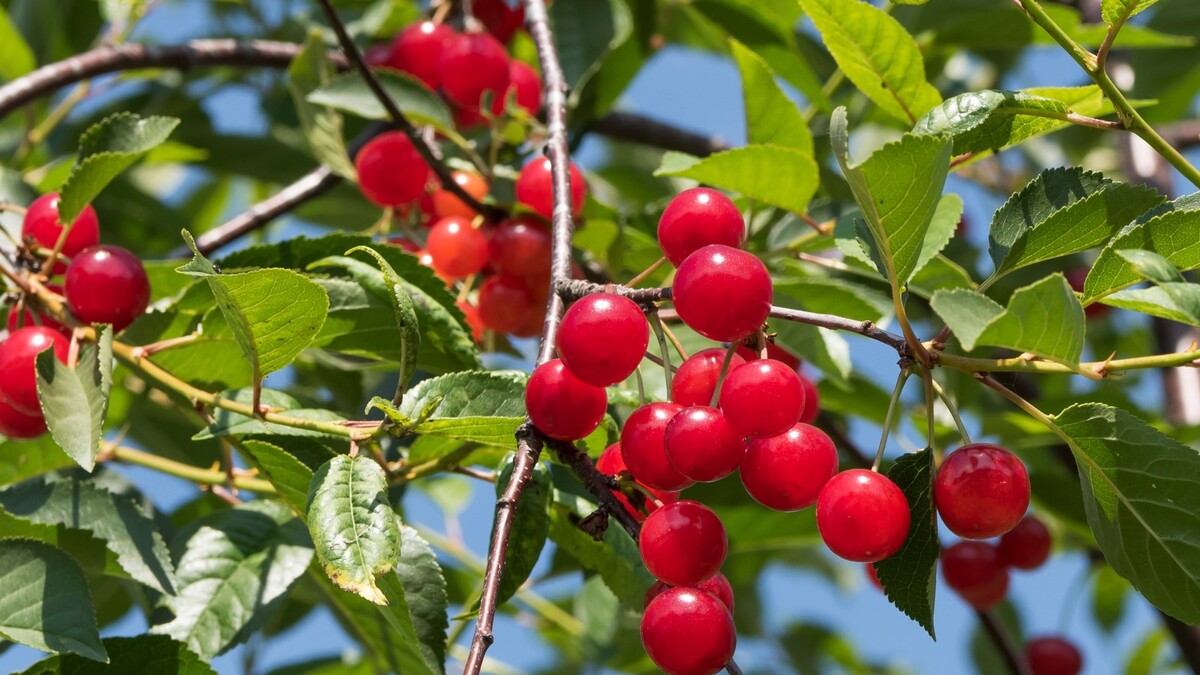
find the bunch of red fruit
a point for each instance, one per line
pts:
(102, 285)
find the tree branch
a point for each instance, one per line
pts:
(647, 131)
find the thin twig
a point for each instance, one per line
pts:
(646, 131)
(1003, 642)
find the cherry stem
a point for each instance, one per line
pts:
(729, 352)
(893, 406)
(941, 392)
(656, 325)
(637, 373)
(645, 274)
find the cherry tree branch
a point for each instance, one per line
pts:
(646, 131)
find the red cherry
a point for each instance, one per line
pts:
(973, 570)
(688, 632)
(701, 445)
(499, 18)
(762, 398)
(718, 587)
(390, 170)
(873, 575)
(526, 87)
(535, 321)
(536, 190)
(378, 54)
(1076, 277)
(642, 446)
(466, 119)
(862, 515)
(562, 406)
(446, 204)
(107, 284)
(404, 243)
(1053, 656)
(17, 425)
(981, 491)
(696, 378)
(602, 338)
(696, 218)
(504, 303)
(471, 314)
(458, 249)
(417, 49)
(787, 472)
(775, 352)
(683, 543)
(722, 293)
(521, 247)
(18, 378)
(812, 400)
(1026, 546)
(471, 65)
(42, 225)
(611, 463)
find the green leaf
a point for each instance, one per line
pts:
(144, 654)
(289, 475)
(479, 406)
(387, 630)
(106, 149)
(425, 591)
(45, 602)
(274, 313)
(16, 58)
(1118, 11)
(20, 460)
(226, 423)
(1172, 231)
(822, 348)
(406, 318)
(75, 400)
(1174, 301)
(353, 527)
(118, 520)
(309, 71)
(233, 567)
(877, 55)
(1139, 494)
(771, 117)
(909, 577)
(1146, 658)
(1151, 266)
(898, 189)
(1109, 595)
(790, 183)
(832, 296)
(348, 92)
(942, 228)
(530, 527)
(1044, 318)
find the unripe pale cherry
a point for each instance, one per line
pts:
(722, 293)
(762, 398)
(107, 284)
(445, 203)
(417, 49)
(1026, 546)
(17, 425)
(611, 463)
(688, 632)
(457, 248)
(683, 543)
(717, 586)
(43, 225)
(786, 472)
(472, 65)
(602, 338)
(1052, 655)
(973, 570)
(981, 491)
(701, 445)
(390, 170)
(562, 406)
(642, 446)
(535, 188)
(696, 378)
(696, 218)
(862, 515)
(18, 375)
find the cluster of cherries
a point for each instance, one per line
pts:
(102, 285)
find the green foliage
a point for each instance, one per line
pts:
(425, 592)
(16, 58)
(311, 70)
(771, 118)
(1119, 11)
(44, 601)
(478, 406)
(406, 318)
(909, 576)
(75, 400)
(105, 150)
(790, 186)
(145, 654)
(531, 524)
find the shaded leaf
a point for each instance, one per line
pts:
(45, 602)
(106, 149)
(425, 591)
(1172, 231)
(406, 318)
(289, 475)
(387, 630)
(144, 654)
(16, 58)
(909, 577)
(74, 401)
(309, 71)
(349, 92)
(530, 526)
(771, 117)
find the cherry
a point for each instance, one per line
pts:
(499, 18)
(404, 243)
(1076, 277)
(786, 472)
(536, 190)
(18, 377)
(562, 406)
(471, 314)
(1026, 546)
(701, 445)
(521, 246)
(472, 65)
(457, 248)
(446, 204)
(812, 400)
(696, 378)
(775, 352)
(535, 320)
(696, 218)
(981, 491)
(642, 445)
(390, 170)
(683, 543)
(107, 284)
(611, 463)
(42, 225)
(688, 632)
(862, 515)
(504, 303)
(762, 398)
(873, 575)
(378, 54)
(602, 338)
(417, 49)
(17, 425)
(1053, 656)
(973, 570)
(722, 293)
(526, 87)
(717, 586)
